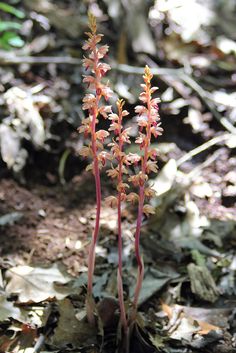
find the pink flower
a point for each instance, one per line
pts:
(89, 101)
(102, 134)
(102, 51)
(133, 158)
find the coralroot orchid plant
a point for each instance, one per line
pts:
(93, 103)
(149, 126)
(121, 137)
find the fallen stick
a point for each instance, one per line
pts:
(189, 155)
(12, 59)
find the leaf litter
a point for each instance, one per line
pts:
(189, 243)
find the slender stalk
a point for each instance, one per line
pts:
(140, 214)
(92, 247)
(119, 271)
(137, 252)
(91, 260)
(96, 172)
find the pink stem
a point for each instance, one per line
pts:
(137, 252)
(119, 273)
(92, 248)
(139, 220)
(91, 259)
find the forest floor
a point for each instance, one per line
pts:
(47, 199)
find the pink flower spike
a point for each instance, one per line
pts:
(149, 125)
(92, 103)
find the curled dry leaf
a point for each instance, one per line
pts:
(184, 321)
(21, 105)
(10, 143)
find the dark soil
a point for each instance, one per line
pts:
(56, 223)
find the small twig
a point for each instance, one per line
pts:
(61, 168)
(202, 148)
(39, 343)
(192, 175)
(136, 70)
(12, 59)
(47, 330)
(29, 256)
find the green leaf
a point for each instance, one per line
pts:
(16, 41)
(8, 25)
(12, 10)
(11, 39)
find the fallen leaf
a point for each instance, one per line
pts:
(35, 284)
(167, 309)
(154, 280)
(8, 310)
(21, 106)
(185, 326)
(217, 317)
(70, 330)
(202, 283)
(165, 178)
(206, 328)
(10, 143)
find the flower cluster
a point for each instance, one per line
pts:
(144, 163)
(121, 136)
(149, 125)
(92, 101)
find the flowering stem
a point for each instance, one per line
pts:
(119, 272)
(92, 248)
(95, 149)
(144, 161)
(137, 251)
